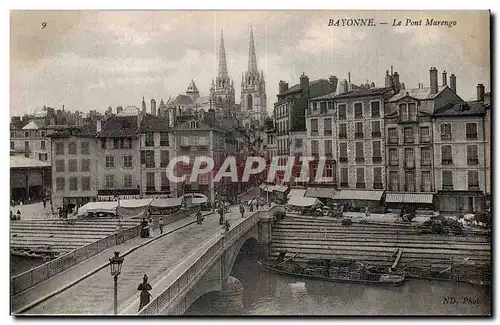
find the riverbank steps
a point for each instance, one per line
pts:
(374, 244)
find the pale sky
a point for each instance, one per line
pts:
(95, 59)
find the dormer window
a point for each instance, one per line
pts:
(193, 124)
(408, 112)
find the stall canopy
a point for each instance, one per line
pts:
(268, 188)
(297, 192)
(425, 198)
(324, 193)
(359, 195)
(98, 207)
(138, 203)
(167, 203)
(199, 200)
(280, 188)
(304, 201)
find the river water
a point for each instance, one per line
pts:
(267, 293)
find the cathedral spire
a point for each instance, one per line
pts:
(222, 71)
(252, 58)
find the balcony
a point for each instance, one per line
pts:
(473, 161)
(360, 185)
(425, 163)
(408, 120)
(409, 188)
(150, 189)
(358, 135)
(473, 187)
(426, 139)
(314, 133)
(378, 186)
(471, 136)
(393, 162)
(150, 165)
(393, 141)
(376, 134)
(409, 140)
(148, 144)
(164, 143)
(342, 117)
(360, 159)
(425, 188)
(446, 136)
(409, 165)
(376, 160)
(328, 132)
(344, 184)
(343, 159)
(342, 135)
(446, 162)
(447, 187)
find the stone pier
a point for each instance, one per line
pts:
(230, 299)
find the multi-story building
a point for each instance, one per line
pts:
(409, 141)
(119, 160)
(30, 139)
(460, 160)
(155, 146)
(74, 165)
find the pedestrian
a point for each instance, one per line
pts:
(367, 212)
(227, 225)
(44, 203)
(221, 216)
(161, 225)
(251, 206)
(144, 288)
(199, 217)
(144, 228)
(18, 215)
(242, 210)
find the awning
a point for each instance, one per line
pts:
(98, 207)
(199, 200)
(303, 201)
(139, 203)
(280, 188)
(359, 195)
(409, 197)
(268, 188)
(297, 192)
(324, 193)
(167, 203)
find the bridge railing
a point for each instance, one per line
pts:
(199, 262)
(42, 272)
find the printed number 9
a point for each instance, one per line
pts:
(44, 24)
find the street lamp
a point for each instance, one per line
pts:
(115, 263)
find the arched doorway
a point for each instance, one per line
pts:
(249, 102)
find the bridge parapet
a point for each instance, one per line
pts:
(186, 275)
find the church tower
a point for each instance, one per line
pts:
(222, 91)
(192, 91)
(253, 89)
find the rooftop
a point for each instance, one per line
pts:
(462, 109)
(23, 162)
(154, 124)
(363, 92)
(119, 127)
(423, 93)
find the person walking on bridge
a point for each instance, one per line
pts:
(242, 210)
(144, 288)
(221, 216)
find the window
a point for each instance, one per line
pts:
(446, 155)
(149, 158)
(59, 148)
(409, 181)
(127, 181)
(127, 143)
(164, 139)
(12, 134)
(343, 152)
(42, 145)
(193, 124)
(408, 135)
(403, 112)
(360, 178)
(12, 145)
(376, 129)
(127, 161)
(425, 155)
(392, 134)
(298, 143)
(26, 134)
(393, 156)
(359, 130)
(150, 181)
(109, 181)
(60, 166)
(42, 134)
(72, 166)
(116, 143)
(86, 183)
(164, 158)
(328, 147)
(315, 106)
(328, 126)
(165, 184)
(358, 110)
(425, 135)
(85, 165)
(314, 147)
(60, 182)
(409, 158)
(343, 131)
(103, 143)
(344, 177)
(330, 105)
(73, 183)
(412, 111)
(375, 109)
(377, 152)
(426, 181)
(26, 145)
(314, 126)
(329, 170)
(322, 107)
(445, 131)
(360, 155)
(393, 181)
(110, 161)
(150, 140)
(408, 112)
(342, 111)
(447, 179)
(471, 131)
(473, 179)
(377, 178)
(72, 148)
(472, 158)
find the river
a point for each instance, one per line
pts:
(267, 293)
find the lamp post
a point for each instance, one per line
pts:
(115, 263)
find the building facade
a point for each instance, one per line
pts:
(31, 140)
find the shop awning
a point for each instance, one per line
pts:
(303, 201)
(167, 203)
(139, 203)
(280, 188)
(297, 192)
(268, 188)
(199, 200)
(98, 207)
(359, 195)
(409, 198)
(324, 193)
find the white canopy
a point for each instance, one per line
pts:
(98, 207)
(304, 201)
(267, 188)
(167, 203)
(199, 200)
(138, 203)
(297, 192)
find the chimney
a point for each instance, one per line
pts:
(283, 86)
(143, 106)
(402, 86)
(397, 85)
(342, 87)
(453, 83)
(99, 126)
(445, 77)
(333, 82)
(304, 85)
(433, 74)
(119, 109)
(480, 93)
(388, 79)
(153, 107)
